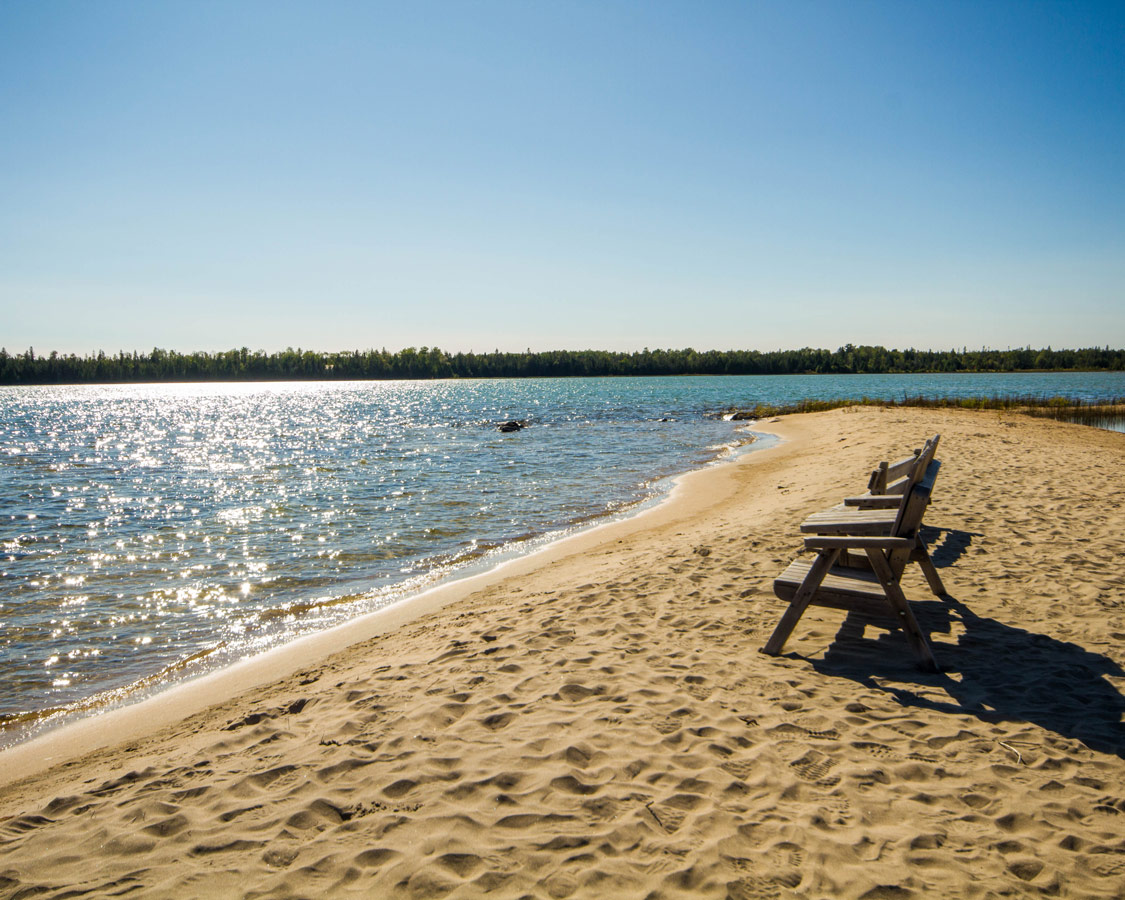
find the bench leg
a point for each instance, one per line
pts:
(922, 556)
(905, 615)
(801, 600)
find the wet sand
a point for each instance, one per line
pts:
(596, 721)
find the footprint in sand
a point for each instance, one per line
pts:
(882, 751)
(922, 757)
(740, 770)
(830, 734)
(758, 887)
(787, 732)
(673, 722)
(813, 766)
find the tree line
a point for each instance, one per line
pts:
(432, 362)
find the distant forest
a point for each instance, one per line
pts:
(431, 362)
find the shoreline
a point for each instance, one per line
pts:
(598, 721)
(148, 597)
(98, 728)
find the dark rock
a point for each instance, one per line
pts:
(511, 426)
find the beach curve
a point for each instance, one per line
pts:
(595, 720)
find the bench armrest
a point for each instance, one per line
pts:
(859, 543)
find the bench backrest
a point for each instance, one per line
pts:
(909, 518)
(887, 474)
(897, 477)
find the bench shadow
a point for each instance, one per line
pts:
(1004, 674)
(946, 545)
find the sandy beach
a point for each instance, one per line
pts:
(596, 721)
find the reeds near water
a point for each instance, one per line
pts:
(1100, 414)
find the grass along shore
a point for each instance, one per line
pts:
(1063, 409)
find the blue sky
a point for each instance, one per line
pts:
(477, 175)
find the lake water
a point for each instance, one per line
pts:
(152, 532)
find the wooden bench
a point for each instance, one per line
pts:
(874, 590)
(873, 515)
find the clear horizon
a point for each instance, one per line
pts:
(43, 352)
(540, 176)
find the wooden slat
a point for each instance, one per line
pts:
(898, 486)
(847, 583)
(874, 501)
(851, 520)
(897, 470)
(859, 542)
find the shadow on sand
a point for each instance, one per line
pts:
(946, 545)
(994, 671)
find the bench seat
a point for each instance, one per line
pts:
(842, 588)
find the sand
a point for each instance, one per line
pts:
(598, 722)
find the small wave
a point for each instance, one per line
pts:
(301, 608)
(24, 721)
